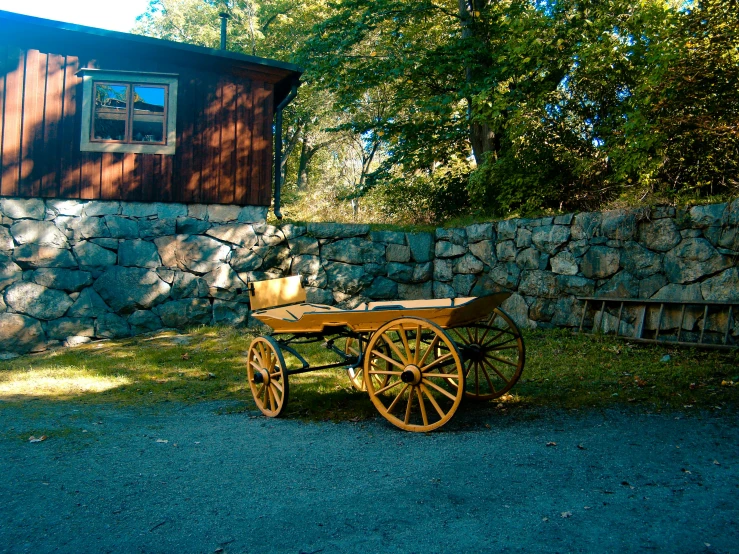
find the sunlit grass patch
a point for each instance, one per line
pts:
(57, 382)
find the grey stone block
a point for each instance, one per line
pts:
(479, 232)
(398, 253)
(90, 255)
(127, 289)
(549, 239)
(660, 235)
(68, 280)
(303, 245)
(709, 215)
(88, 304)
(233, 314)
(354, 251)
(223, 213)
(240, 234)
(170, 211)
(23, 208)
(37, 301)
(39, 233)
(419, 291)
(382, 289)
(111, 326)
(564, 263)
(449, 250)
(506, 251)
(600, 262)
(60, 329)
(693, 259)
(144, 321)
(347, 278)
(388, 237)
(421, 245)
(484, 251)
(539, 283)
(337, 230)
(19, 334)
(152, 228)
(191, 226)
(621, 285)
(185, 313)
(454, 236)
(138, 253)
(507, 229)
(462, 284)
(122, 227)
(468, 264)
(138, 209)
(101, 207)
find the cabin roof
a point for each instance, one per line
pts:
(234, 58)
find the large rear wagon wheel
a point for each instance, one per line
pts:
(424, 373)
(267, 374)
(493, 353)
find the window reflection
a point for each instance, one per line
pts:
(111, 112)
(148, 113)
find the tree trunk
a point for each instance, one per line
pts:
(482, 137)
(305, 156)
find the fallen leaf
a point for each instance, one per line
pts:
(186, 356)
(545, 519)
(552, 444)
(566, 514)
(35, 439)
(715, 462)
(162, 440)
(687, 471)
(581, 447)
(586, 507)
(211, 375)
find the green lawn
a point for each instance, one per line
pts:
(206, 364)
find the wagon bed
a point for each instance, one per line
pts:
(416, 359)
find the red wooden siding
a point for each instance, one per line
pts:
(224, 132)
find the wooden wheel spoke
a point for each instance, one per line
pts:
(501, 360)
(477, 378)
(492, 340)
(487, 377)
(408, 408)
(422, 406)
(432, 400)
(277, 385)
(433, 344)
(259, 391)
(436, 362)
(255, 365)
(271, 398)
(397, 398)
(445, 376)
(438, 388)
(388, 359)
(388, 387)
(417, 352)
(495, 369)
(394, 348)
(404, 339)
(384, 372)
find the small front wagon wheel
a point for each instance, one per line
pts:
(267, 373)
(423, 371)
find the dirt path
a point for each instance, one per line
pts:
(186, 479)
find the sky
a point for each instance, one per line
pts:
(117, 16)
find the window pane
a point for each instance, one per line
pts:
(110, 112)
(148, 114)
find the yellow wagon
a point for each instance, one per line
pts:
(416, 359)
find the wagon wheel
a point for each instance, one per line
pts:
(356, 374)
(493, 353)
(424, 373)
(267, 374)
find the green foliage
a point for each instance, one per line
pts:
(421, 111)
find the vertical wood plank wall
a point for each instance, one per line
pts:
(224, 135)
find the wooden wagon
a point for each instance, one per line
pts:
(416, 359)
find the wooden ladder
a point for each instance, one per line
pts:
(660, 334)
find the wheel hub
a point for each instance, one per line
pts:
(473, 352)
(411, 375)
(261, 376)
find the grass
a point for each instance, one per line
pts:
(562, 371)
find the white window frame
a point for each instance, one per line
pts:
(91, 76)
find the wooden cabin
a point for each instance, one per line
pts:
(94, 114)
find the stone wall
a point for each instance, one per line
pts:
(72, 271)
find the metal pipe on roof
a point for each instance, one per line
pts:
(278, 146)
(224, 27)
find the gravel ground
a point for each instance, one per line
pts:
(190, 479)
